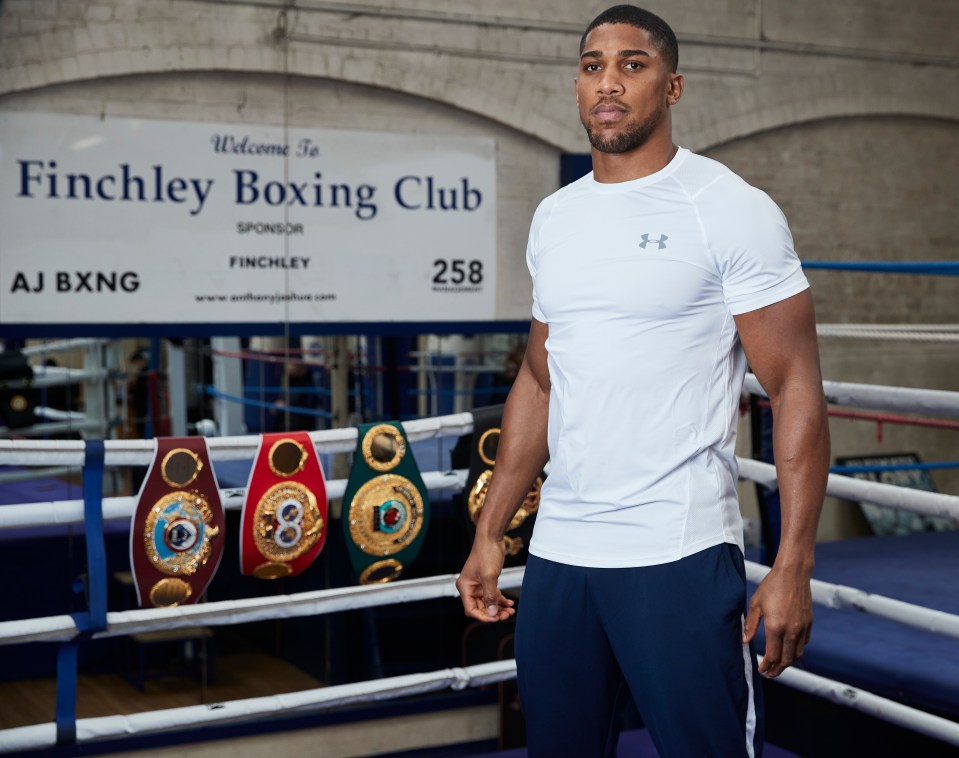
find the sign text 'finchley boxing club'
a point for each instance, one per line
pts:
(125, 182)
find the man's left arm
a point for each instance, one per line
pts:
(781, 347)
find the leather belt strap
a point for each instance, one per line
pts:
(284, 522)
(386, 507)
(177, 534)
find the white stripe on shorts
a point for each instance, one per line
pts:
(751, 707)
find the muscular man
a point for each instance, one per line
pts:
(655, 278)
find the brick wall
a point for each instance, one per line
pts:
(870, 189)
(753, 65)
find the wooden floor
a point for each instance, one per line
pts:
(239, 674)
(244, 672)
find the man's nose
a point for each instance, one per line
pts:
(609, 83)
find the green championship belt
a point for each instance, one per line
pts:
(385, 507)
(483, 447)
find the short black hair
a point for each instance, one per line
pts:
(659, 31)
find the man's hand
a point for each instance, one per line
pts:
(478, 582)
(784, 600)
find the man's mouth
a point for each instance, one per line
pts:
(608, 112)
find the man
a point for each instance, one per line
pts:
(654, 279)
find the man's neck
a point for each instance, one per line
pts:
(647, 159)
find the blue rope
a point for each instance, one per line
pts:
(944, 268)
(893, 467)
(67, 693)
(214, 392)
(93, 523)
(482, 392)
(95, 617)
(291, 390)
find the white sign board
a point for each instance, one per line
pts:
(131, 221)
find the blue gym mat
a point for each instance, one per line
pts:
(899, 662)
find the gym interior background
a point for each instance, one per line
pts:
(845, 111)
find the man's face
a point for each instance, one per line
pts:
(623, 88)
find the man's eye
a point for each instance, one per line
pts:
(591, 67)
(634, 66)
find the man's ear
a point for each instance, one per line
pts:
(674, 88)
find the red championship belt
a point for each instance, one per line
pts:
(176, 539)
(284, 522)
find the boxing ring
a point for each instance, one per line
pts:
(928, 613)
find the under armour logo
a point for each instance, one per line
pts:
(661, 241)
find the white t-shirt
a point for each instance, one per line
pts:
(638, 282)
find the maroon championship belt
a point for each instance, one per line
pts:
(176, 539)
(284, 521)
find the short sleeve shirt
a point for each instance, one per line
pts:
(638, 283)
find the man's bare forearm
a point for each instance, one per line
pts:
(801, 444)
(780, 343)
(520, 456)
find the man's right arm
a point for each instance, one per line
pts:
(520, 456)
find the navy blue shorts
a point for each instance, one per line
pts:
(668, 635)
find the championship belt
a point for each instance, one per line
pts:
(18, 397)
(176, 538)
(283, 527)
(385, 507)
(485, 441)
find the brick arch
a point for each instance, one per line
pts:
(828, 98)
(515, 97)
(416, 76)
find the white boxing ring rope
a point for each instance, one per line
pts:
(138, 452)
(229, 612)
(60, 346)
(850, 488)
(874, 705)
(67, 512)
(880, 398)
(115, 508)
(840, 596)
(325, 698)
(291, 703)
(904, 332)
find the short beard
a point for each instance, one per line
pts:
(634, 136)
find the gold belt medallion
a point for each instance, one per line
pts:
(169, 592)
(287, 457)
(477, 498)
(383, 447)
(177, 533)
(287, 522)
(386, 515)
(488, 446)
(381, 572)
(180, 467)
